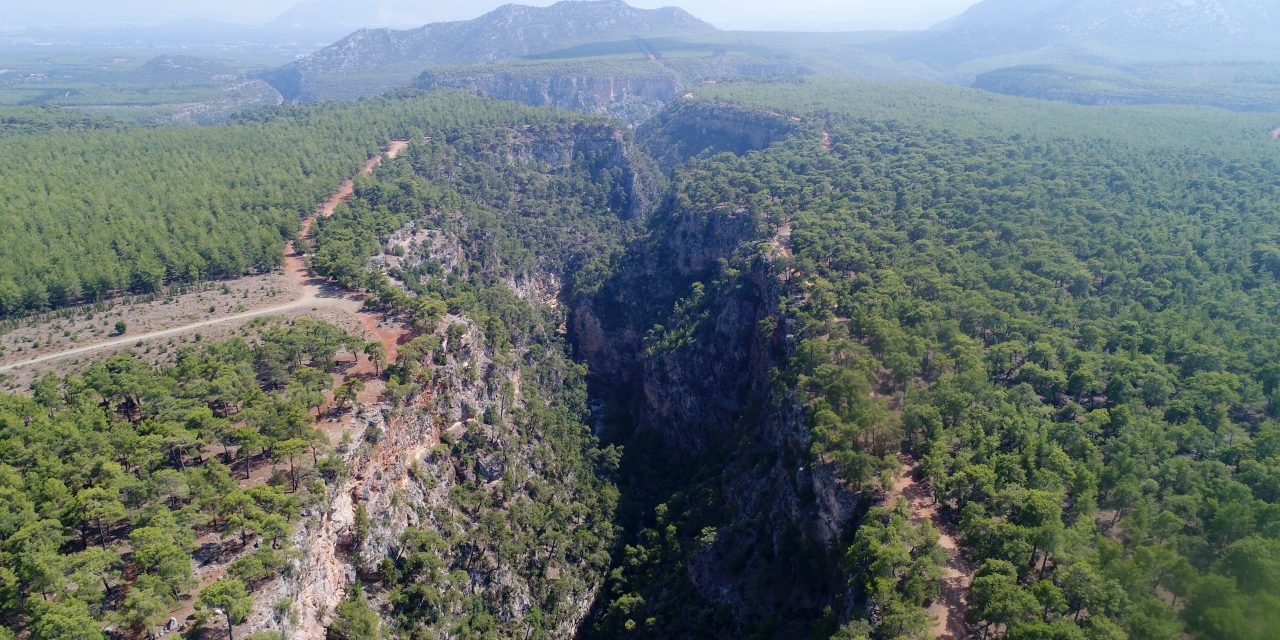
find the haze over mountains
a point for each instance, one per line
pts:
(315, 15)
(313, 21)
(1243, 29)
(609, 57)
(1002, 45)
(381, 59)
(593, 321)
(1219, 52)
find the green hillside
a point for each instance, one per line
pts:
(90, 213)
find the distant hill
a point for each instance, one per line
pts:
(374, 60)
(1238, 29)
(1223, 53)
(1238, 86)
(178, 69)
(328, 15)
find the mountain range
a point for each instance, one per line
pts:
(374, 60)
(1049, 48)
(1130, 29)
(605, 56)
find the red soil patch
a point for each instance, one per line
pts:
(390, 335)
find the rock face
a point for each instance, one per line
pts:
(385, 59)
(630, 90)
(321, 573)
(630, 98)
(692, 360)
(685, 246)
(692, 128)
(596, 148)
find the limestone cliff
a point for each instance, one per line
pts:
(632, 90)
(631, 98)
(691, 368)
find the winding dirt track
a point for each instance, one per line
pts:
(947, 611)
(313, 292)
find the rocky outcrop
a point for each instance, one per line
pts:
(238, 96)
(692, 127)
(629, 98)
(632, 90)
(301, 602)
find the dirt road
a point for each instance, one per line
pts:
(310, 300)
(948, 611)
(314, 293)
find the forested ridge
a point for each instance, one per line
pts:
(1075, 337)
(181, 438)
(970, 112)
(89, 212)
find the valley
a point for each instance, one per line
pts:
(591, 321)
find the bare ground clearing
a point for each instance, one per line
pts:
(29, 351)
(86, 326)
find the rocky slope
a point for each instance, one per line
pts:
(485, 500)
(459, 475)
(182, 69)
(238, 96)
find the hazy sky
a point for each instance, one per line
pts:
(728, 14)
